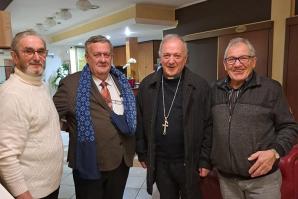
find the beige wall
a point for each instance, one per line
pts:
(280, 10)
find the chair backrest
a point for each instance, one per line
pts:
(289, 169)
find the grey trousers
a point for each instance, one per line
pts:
(267, 187)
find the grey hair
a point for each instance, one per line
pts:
(169, 37)
(252, 51)
(98, 39)
(21, 35)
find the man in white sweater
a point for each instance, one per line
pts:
(31, 150)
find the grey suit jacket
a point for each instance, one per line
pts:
(111, 146)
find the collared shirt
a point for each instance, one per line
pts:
(233, 94)
(117, 100)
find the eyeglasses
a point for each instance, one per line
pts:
(30, 52)
(242, 59)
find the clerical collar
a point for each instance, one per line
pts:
(174, 77)
(33, 80)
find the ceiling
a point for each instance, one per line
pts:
(25, 14)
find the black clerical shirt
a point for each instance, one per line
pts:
(170, 146)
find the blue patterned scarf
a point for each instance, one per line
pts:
(129, 103)
(86, 163)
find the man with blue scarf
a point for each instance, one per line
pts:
(101, 132)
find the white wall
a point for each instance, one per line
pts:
(52, 64)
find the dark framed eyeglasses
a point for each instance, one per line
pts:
(244, 59)
(30, 52)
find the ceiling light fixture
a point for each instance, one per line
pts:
(40, 27)
(127, 31)
(64, 14)
(50, 22)
(85, 5)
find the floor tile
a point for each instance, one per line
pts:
(137, 172)
(143, 194)
(130, 193)
(155, 194)
(67, 180)
(66, 192)
(135, 182)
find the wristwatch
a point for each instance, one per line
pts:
(275, 153)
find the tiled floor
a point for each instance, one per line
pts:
(135, 186)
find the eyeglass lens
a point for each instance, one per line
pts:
(30, 52)
(242, 59)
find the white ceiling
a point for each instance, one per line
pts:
(25, 14)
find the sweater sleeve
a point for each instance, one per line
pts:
(13, 134)
(285, 125)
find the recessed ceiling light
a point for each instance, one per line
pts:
(94, 7)
(50, 22)
(64, 14)
(85, 5)
(108, 36)
(127, 31)
(40, 27)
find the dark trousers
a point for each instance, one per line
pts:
(111, 184)
(171, 181)
(53, 195)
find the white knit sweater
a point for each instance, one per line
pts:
(31, 150)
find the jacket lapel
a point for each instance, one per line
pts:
(153, 91)
(188, 86)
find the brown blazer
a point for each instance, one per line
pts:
(111, 145)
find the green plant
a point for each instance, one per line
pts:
(61, 72)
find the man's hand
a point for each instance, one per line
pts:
(203, 172)
(263, 164)
(25, 195)
(143, 165)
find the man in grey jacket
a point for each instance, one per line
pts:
(252, 127)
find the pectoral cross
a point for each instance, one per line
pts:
(165, 126)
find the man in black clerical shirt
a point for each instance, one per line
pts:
(174, 124)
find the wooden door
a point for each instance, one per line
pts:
(260, 35)
(119, 56)
(145, 59)
(260, 39)
(202, 57)
(290, 80)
